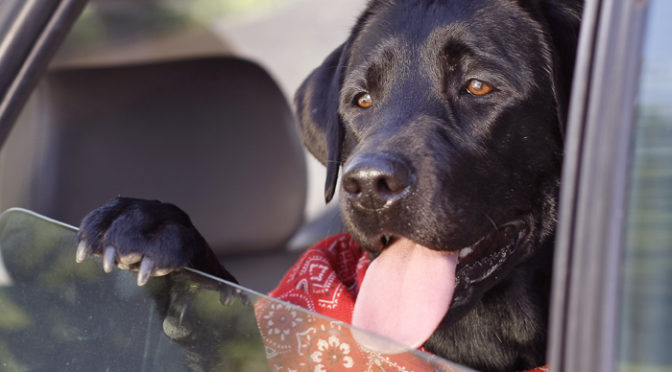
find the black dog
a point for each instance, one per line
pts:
(447, 117)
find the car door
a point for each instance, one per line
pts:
(612, 304)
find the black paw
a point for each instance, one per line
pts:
(147, 236)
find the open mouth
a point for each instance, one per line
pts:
(479, 260)
(408, 288)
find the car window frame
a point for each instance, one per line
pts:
(31, 40)
(595, 182)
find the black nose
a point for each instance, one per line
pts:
(374, 181)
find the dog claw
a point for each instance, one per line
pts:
(108, 259)
(82, 252)
(146, 268)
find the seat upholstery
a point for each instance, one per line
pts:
(212, 135)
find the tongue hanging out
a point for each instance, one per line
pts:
(405, 293)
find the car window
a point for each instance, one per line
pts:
(61, 316)
(646, 295)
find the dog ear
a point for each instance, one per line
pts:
(319, 123)
(563, 20)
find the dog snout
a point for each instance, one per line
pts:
(374, 181)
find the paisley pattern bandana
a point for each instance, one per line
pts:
(326, 280)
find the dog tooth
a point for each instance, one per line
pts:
(464, 252)
(386, 240)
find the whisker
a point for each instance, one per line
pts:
(494, 224)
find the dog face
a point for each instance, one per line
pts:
(447, 119)
(469, 158)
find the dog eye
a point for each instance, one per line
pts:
(364, 100)
(478, 88)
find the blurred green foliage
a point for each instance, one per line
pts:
(646, 316)
(61, 316)
(124, 21)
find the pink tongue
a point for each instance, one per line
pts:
(405, 294)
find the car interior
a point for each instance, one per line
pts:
(141, 101)
(177, 118)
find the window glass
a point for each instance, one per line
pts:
(646, 309)
(61, 316)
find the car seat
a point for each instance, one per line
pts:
(213, 135)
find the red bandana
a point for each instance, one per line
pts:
(326, 280)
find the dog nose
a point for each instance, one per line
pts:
(373, 181)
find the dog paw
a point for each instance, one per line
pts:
(147, 236)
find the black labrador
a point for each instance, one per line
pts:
(447, 118)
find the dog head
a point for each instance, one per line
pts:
(447, 118)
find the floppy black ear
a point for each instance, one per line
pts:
(563, 19)
(319, 123)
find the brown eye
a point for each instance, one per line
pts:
(478, 88)
(364, 100)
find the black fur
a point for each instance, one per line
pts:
(478, 162)
(428, 161)
(156, 230)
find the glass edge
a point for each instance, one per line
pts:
(427, 357)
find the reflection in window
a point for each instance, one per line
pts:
(646, 311)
